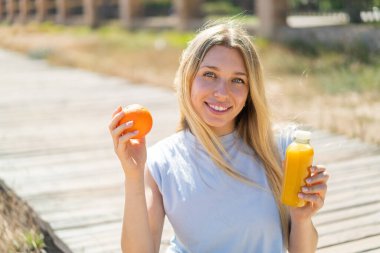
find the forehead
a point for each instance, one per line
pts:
(224, 57)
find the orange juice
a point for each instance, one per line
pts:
(298, 160)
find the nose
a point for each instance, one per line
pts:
(221, 89)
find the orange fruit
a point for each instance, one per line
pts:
(141, 117)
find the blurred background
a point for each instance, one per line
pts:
(320, 57)
(326, 49)
(311, 49)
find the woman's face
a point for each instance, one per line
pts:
(220, 88)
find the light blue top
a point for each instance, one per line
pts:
(209, 210)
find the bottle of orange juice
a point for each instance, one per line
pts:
(298, 160)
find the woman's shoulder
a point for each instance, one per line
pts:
(167, 147)
(284, 135)
(163, 154)
(169, 141)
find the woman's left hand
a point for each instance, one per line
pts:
(313, 193)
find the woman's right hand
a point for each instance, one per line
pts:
(131, 152)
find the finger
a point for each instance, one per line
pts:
(316, 200)
(118, 131)
(118, 109)
(315, 189)
(115, 120)
(123, 140)
(121, 128)
(321, 177)
(317, 169)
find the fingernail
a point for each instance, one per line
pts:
(129, 123)
(305, 189)
(308, 180)
(300, 195)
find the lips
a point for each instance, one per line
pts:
(218, 107)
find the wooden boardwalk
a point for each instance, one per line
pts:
(56, 153)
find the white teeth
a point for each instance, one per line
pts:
(218, 108)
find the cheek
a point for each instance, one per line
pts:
(194, 95)
(197, 91)
(241, 96)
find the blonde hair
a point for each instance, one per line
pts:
(252, 124)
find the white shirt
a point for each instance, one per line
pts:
(210, 211)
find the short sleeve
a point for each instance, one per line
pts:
(284, 136)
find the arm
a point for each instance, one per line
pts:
(136, 235)
(303, 235)
(142, 218)
(143, 215)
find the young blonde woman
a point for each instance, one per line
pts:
(218, 178)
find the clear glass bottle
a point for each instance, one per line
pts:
(298, 161)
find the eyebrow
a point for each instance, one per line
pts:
(216, 68)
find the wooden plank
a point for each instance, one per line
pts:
(45, 161)
(373, 250)
(344, 226)
(68, 181)
(367, 176)
(83, 217)
(88, 183)
(331, 206)
(338, 203)
(63, 148)
(354, 151)
(356, 163)
(349, 235)
(53, 203)
(346, 214)
(361, 187)
(364, 179)
(63, 164)
(361, 245)
(97, 235)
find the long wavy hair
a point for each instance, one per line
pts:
(252, 124)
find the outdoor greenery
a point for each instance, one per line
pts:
(343, 81)
(28, 242)
(221, 7)
(333, 5)
(327, 70)
(331, 69)
(213, 7)
(158, 7)
(232, 7)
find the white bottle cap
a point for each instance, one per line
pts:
(302, 135)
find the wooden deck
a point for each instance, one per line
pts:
(56, 153)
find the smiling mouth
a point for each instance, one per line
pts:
(218, 108)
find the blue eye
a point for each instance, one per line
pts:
(209, 74)
(238, 80)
